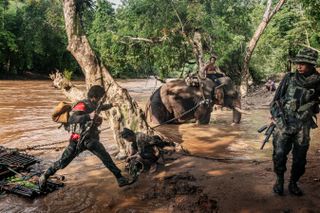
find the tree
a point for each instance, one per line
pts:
(268, 14)
(127, 113)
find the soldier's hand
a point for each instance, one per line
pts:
(271, 119)
(92, 115)
(98, 120)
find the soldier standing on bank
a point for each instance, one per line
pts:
(82, 113)
(294, 110)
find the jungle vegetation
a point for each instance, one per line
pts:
(152, 37)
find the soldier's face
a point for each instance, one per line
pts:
(94, 100)
(303, 68)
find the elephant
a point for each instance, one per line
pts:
(176, 101)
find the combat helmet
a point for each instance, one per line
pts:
(306, 55)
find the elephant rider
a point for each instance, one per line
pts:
(212, 71)
(82, 114)
(293, 110)
(145, 148)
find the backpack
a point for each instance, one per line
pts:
(61, 113)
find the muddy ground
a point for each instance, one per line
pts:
(221, 168)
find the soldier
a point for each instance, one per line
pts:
(293, 110)
(83, 113)
(144, 147)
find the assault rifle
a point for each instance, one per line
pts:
(269, 130)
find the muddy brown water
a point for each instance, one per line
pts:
(25, 108)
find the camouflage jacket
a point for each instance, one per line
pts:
(146, 146)
(298, 98)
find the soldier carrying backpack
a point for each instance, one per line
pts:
(81, 115)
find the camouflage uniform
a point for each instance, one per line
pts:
(144, 149)
(297, 98)
(78, 120)
(145, 146)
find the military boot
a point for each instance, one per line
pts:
(122, 181)
(278, 186)
(42, 181)
(294, 188)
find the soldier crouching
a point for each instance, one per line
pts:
(144, 151)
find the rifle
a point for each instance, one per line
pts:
(90, 124)
(269, 130)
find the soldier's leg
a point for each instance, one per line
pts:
(67, 156)
(98, 149)
(299, 159)
(282, 145)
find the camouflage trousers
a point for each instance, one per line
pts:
(70, 152)
(283, 143)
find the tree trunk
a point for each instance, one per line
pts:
(198, 52)
(128, 113)
(245, 74)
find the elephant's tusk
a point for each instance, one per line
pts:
(242, 111)
(221, 85)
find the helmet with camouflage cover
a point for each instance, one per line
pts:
(306, 55)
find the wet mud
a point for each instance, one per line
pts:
(182, 194)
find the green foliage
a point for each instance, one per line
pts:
(33, 38)
(144, 37)
(287, 32)
(67, 74)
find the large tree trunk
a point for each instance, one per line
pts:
(198, 52)
(245, 74)
(128, 113)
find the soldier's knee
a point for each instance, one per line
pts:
(93, 144)
(279, 154)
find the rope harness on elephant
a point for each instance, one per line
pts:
(205, 101)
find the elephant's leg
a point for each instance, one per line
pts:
(203, 114)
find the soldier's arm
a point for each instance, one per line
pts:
(106, 107)
(142, 141)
